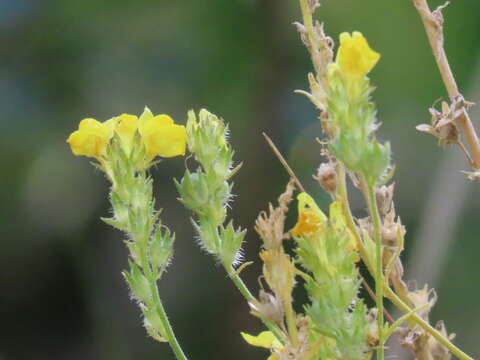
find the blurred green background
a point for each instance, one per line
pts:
(61, 292)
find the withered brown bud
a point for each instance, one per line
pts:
(384, 196)
(327, 177)
(389, 236)
(268, 307)
(444, 123)
(270, 225)
(424, 297)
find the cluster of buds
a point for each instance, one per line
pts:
(125, 147)
(206, 191)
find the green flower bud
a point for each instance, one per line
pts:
(138, 283)
(161, 248)
(231, 243)
(153, 323)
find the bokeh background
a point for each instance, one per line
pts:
(61, 292)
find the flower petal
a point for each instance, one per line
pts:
(265, 339)
(164, 140)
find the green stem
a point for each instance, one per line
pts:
(157, 302)
(372, 205)
(342, 196)
(249, 297)
(172, 340)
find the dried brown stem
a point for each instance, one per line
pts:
(433, 23)
(280, 157)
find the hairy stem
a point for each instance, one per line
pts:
(172, 340)
(158, 306)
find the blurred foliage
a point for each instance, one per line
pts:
(61, 291)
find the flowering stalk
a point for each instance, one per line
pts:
(125, 148)
(353, 119)
(357, 122)
(207, 191)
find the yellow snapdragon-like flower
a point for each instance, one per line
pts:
(310, 218)
(355, 58)
(161, 136)
(91, 138)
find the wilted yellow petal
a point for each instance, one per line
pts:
(355, 57)
(265, 339)
(310, 218)
(336, 214)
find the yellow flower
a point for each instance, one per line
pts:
(355, 57)
(310, 218)
(161, 136)
(126, 127)
(90, 139)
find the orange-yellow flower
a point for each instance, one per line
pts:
(90, 139)
(355, 58)
(310, 218)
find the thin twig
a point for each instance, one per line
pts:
(372, 295)
(290, 172)
(284, 162)
(433, 23)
